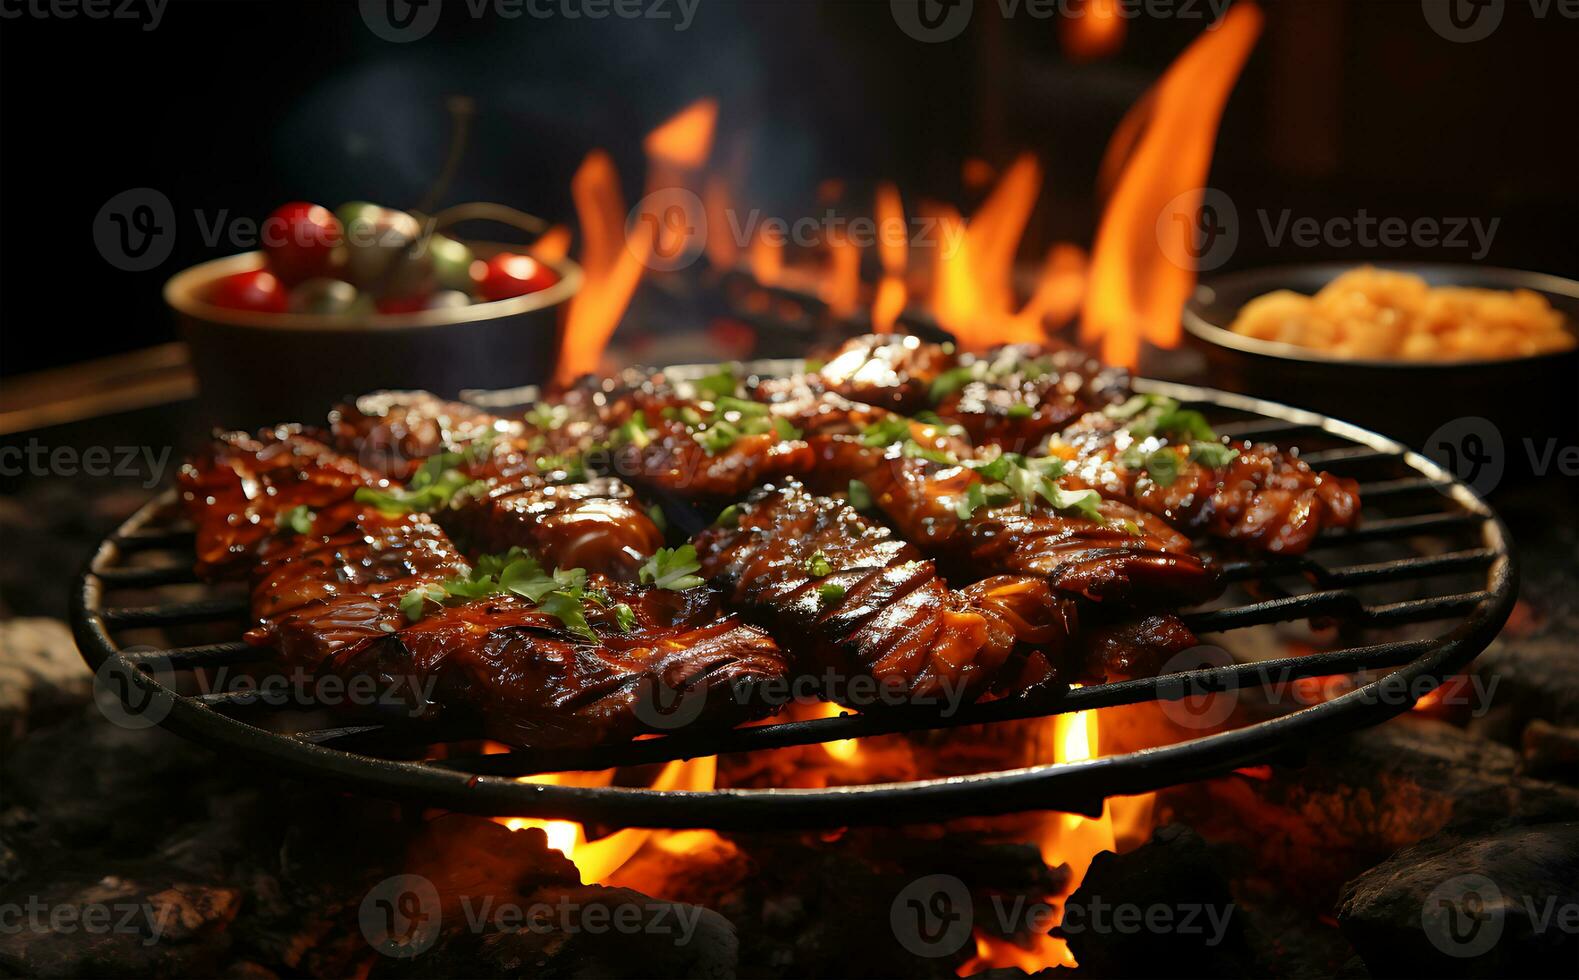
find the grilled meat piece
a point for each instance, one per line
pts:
(395, 432)
(240, 490)
(1129, 557)
(683, 664)
(667, 458)
(504, 663)
(1265, 499)
(853, 601)
(371, 551)
(596, 525)
(891, 371)
(1132, 648)
(1016, 395)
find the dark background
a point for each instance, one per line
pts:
(239, 106)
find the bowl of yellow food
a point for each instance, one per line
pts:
(1407, 349)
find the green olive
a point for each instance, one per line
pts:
(452, 263)
(323, 296)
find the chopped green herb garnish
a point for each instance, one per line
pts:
(951, 381)
(297, 520)
(1213, 454)
(1159, 415)
(818, 566)
(625, 617)
(431, 487)
(673, 568)
(414, 603)
(719, 384)
(684, 414)
(559, 593)
(729, 516)
(718, 437)
(830, 593)
(1011, 476)
(886, 431)
(1020, 410)
(546, 416)
(571, 465)
(632, 432)
(785, 430)
(567, 608)
(656, 515)
(860, 495)
(1162, 466)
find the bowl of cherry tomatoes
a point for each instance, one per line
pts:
(361, 298)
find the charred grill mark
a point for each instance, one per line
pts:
(242, 487)
(881, 611)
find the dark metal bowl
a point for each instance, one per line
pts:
(261, 368)
(1535, 398)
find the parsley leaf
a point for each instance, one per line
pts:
(432, 486)
(729, 516)
(659, 520)
(830, 592)
(566, 607)
(673, 568)
(1163, 466)
(625, 617)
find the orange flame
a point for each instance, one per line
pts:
(685, 139)
(1094, 30)
(1069, 839)
(554, 244)
(766, 258)
(612, 265)
(1135, 290)
(722, 251)
(894, 257)
(598, 859)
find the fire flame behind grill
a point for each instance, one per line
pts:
(1141, 269)
(1063, 838)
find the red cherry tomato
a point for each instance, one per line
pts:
(259, 290)
(508, 274)
(302, 241)
(401, 304)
